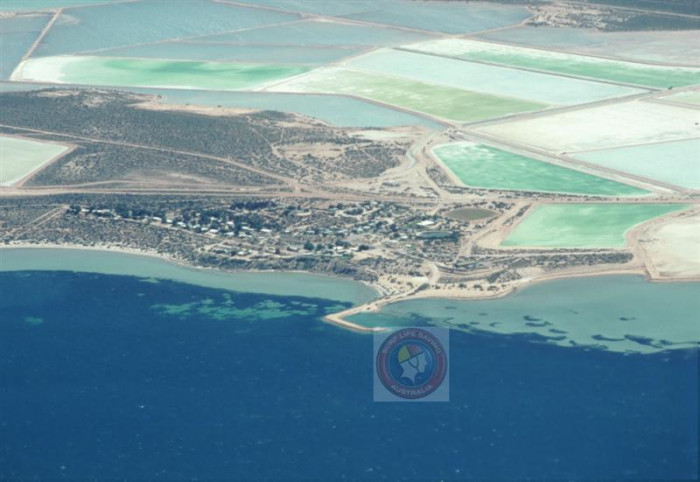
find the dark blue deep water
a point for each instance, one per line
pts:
(96, 382)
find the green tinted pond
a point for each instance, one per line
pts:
(482, 166)
(583, 225)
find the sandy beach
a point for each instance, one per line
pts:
(672, 249)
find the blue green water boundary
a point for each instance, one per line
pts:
(617, 313)
(97, 365)
(151, 267)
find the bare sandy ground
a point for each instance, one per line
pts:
(195, 109)
(672, 249)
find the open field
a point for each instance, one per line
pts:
(673, 248)
(563, 63)
(151, 73)
(583, 225)
(470, 214)
(649, 46)
(676, 163)
(489, 79)
(440, 101)
(19, 157)
(482, 166)
(602, 127)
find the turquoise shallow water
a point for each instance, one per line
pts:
(110, 377)
(106, 262)
(614, 313)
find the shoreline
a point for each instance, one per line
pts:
(373, 305)
(321, 278)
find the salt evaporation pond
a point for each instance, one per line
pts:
(19, 157)
(276, 54)
(663, 47)
(482, 166)
(583, 225)
(436, 100)
(489, 79)
(137, 72)
(131, 23)
(563, 63)
(17, 34)
(676, 163)
(690, 97)
(446, 17)
(321, 32)
(36, 5)
(600, 127)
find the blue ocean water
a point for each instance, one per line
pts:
(112, 376)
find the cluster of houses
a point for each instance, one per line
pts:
(309, 228)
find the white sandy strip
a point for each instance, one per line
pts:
(44, 69)
(52, 69)
(615, 125)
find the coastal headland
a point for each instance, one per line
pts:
(373, 205)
